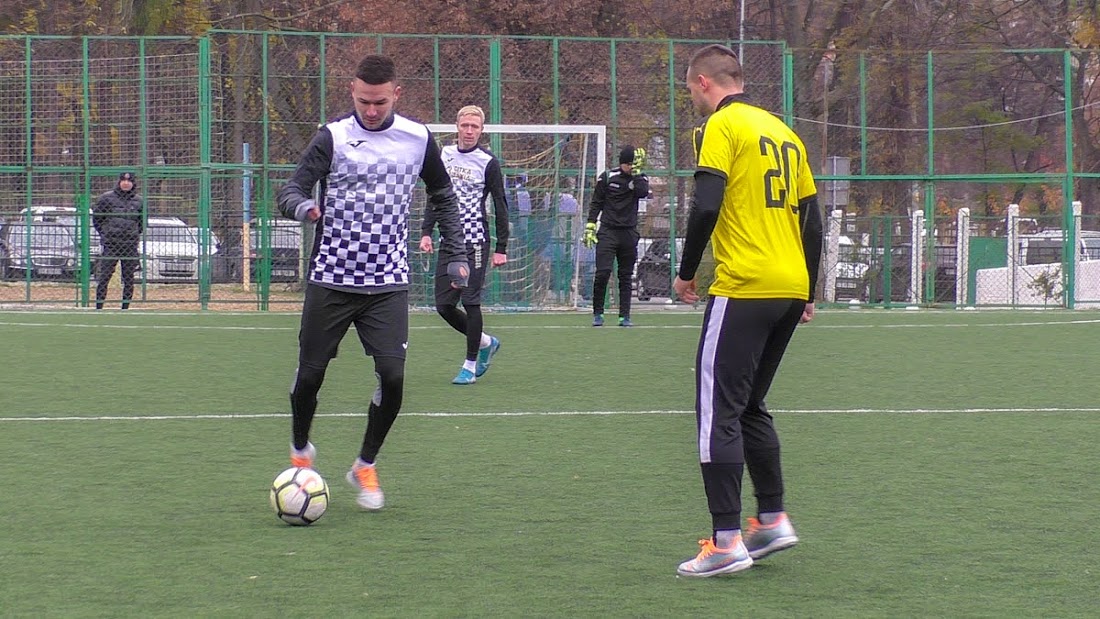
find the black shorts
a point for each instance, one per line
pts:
(478, 257)
(381, 320)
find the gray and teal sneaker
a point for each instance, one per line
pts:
(764, 539)
(597, 320)
(485, 356)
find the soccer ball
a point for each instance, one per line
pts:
(299, 496)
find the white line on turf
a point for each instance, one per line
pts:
(808, 411)
(960, 325)
(246, 328)
(813, 326)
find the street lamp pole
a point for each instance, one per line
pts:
(741, 35)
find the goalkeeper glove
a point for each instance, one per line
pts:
(590, 235)
(639, 160)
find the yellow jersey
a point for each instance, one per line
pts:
(757, 240)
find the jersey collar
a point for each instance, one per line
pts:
(385, 125)
(730, 99)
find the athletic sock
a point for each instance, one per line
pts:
(486, 341)
(724, 537)
(470, 364)
(767, 518)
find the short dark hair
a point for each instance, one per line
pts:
(717, 62)
(376, 69)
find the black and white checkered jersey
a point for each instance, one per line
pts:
(475, 175)
(367, 180)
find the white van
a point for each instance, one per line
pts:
(1046, 247)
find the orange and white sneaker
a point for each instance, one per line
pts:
(365, 479)
(712, 561)
(764, 539)
(303, 458)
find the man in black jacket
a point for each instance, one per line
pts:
(117, 218)
(617, 193)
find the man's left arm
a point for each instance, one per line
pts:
(443, 205)
(809, 216)
(641, 186)
(141, 214)
(494, 183)
(100, 213)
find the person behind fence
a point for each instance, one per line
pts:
(755, 201)
(476, 174)
(367, 164)
(563, 208)
(615, 204)
(118, 218)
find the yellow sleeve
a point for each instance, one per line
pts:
(714, 148)
(806, 185)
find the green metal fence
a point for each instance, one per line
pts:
(213, 125)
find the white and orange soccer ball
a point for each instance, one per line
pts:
(299, 496)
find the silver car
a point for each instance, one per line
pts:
(44, 250)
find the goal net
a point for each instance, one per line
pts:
(549, 173)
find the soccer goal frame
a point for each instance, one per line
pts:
(600, 131)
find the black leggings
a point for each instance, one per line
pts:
(384, 406)
(469, 322)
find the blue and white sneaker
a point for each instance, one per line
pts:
(764, 539)
(485, 356)
(597, 320)
(712, 561)
(465, 377)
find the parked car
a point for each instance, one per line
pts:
(851, 271)
(66, 216)
(170, 250)
(286, 250)
(652, 273)
(47, 250)
(286, 253)
(900, 259)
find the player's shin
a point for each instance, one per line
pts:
(303, 402)
(384, 406)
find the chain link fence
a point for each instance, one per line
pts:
(213, 126)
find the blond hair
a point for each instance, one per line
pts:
(471, 110)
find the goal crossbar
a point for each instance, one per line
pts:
(600, 131)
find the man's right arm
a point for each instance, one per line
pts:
(706, 204)
(598, 198)
(99, 213)
(443, 207)
(295, 198)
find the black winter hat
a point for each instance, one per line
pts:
(127, 176)
(626, 155)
